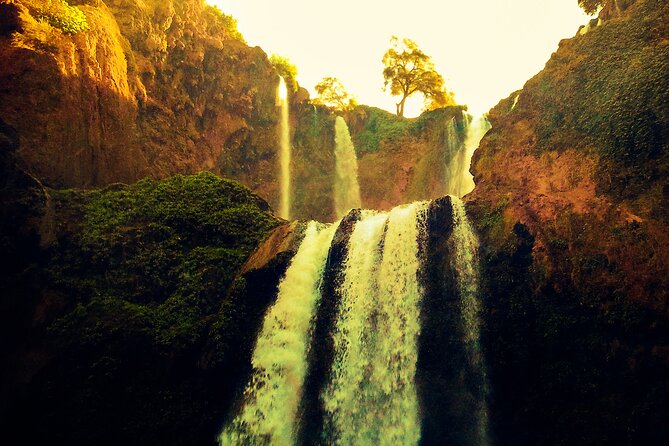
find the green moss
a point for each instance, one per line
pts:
(156, 239)
(380, 126)
(140, 273)
(314, 163)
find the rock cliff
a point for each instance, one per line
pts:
(571, 205)
(136, 306)
(152, 88)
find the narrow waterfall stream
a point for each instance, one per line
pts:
(346, 188)
(369, 394)
(453, 154)
(272, 397)
(459, 182)
(465, 247)
(285, 155)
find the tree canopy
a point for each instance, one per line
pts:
(286, 69)
(218, 22)
(331, 92)
(591, 6)
(408, 70)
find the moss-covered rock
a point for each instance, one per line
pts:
(124, 300)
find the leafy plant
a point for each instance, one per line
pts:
(286, 69)
(59, 14)
(220, 22)
(408, 70)
(331, 92)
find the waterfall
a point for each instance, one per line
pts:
(371, 398)
(453, 155)
(346, 189)
(284, 139)
(273, 394)
(464, 259)
(381, 295)
(459, 181)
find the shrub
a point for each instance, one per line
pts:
(59, 14)
(219, 21)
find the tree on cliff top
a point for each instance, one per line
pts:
(286, 69)
(331, 92)
(219, 22)
(407, 70)
(592, 6)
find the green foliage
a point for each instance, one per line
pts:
(59, 14)
(133, 285)
(380, 126)
(591, 6)
(165, 250)
(218, 22)
(332, 93)
(408, 70)
(286, 69)
(384, 127)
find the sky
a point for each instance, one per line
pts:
(484, 49)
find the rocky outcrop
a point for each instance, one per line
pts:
(583, 154)
(403, 160)
(400, 160)
(570, 203)
(151, 89)
(155, 88)
(111, 324)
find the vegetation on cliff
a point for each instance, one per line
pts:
(128, 291)
(60, 14)
(570, 204)
(408, 70)
(614, 102)
(331, 92)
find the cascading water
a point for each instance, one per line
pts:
(272, 397)
(376, 294)
(371, 398)
(459, 181)
(464, 259)
(285, 156)
(453, 153)
(346, 188)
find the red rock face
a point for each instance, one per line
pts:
(585, 188)
(157, 88)
(69, 100)
(152, 89)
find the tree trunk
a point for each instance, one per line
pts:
(400, 107)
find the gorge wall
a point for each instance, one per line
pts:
(571, 206)
(153, 89)
(150, 90)
(131, 312)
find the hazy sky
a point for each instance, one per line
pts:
(485, 49)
